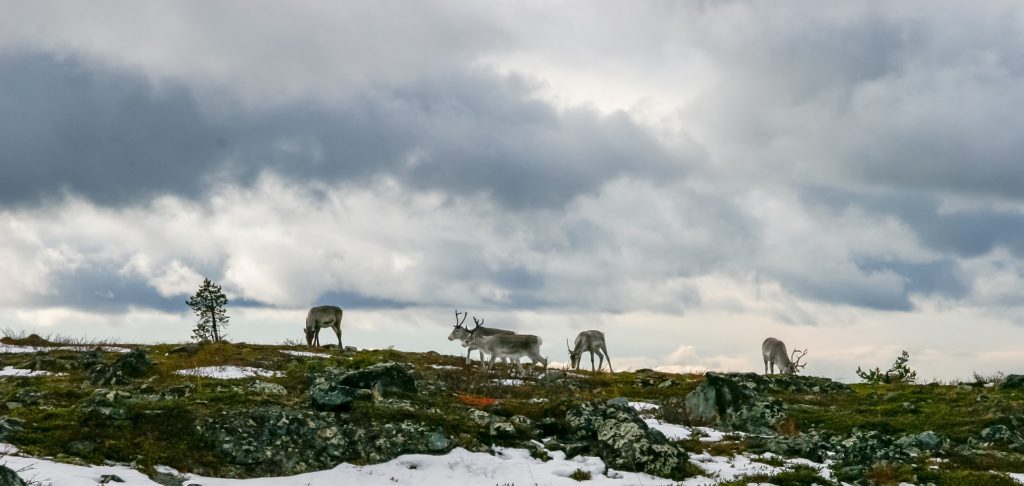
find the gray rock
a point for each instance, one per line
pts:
(1012, 382)
(731, 402)
(266, 388)
(334, 397)
(134, 364)
(188, 350)
(1002, 435)
(618, 402)
(271, 440)
(388, 377)
(502, 429)
(110, 478)
(10, 478)
(619, 436)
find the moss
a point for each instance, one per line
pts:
(580, 475)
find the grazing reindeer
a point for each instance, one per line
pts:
(774, 353)
(461, 332)
(320, 317)
(592, 342)
(508, 346)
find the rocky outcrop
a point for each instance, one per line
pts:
(387, 377)
(732, 402)
(277, 441)
(859, 448)
(614, 432)
(134, 364)
(10, 478)
(1012, 382)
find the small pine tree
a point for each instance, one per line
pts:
(900, 372)
(208, 304)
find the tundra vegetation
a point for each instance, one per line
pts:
(370, 406)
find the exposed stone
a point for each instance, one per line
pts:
(619, 436)
(1012, 382)
(278, 441)
(388, 377)
(333, 397)
(110, 478)
(731, 402)
(266, 388)
(10, 478)
(187, 349)
(1002, 435)
(134, 364)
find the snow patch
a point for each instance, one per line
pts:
(445, 367)
(12, 371)
(228, 372)
(644, 406)
(671, 431)
(15, 349)
(506, 466)
(510, 382)
(307, 354)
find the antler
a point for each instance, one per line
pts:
(567, 346)
(796, 362)
(478, 322)
(458, 323)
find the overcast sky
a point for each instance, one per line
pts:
(690, 177)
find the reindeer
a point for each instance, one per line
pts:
(320, 317)
(592, 342)
(774, 353)
(461, 332)
(507, 346)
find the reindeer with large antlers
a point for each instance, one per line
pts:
(461, 333)
(774, 353)
(506, 346)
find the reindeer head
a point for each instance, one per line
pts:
(459, 332)
(795, 365)
(310, 334)
(574, 357)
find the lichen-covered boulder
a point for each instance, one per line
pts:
(272, 440)
(1001, 435)
(1012, 382)
(616, 434)
(8, 477)
(730, 401)
(333, 397)
(387, 377)
(134, 364)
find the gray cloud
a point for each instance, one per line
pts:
(115, 138)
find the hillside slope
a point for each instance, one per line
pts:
(280, 410)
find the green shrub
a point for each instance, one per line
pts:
(898, 373)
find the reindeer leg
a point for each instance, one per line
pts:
(592, 361)
(607, 357)
(337, 330)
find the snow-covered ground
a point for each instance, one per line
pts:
(228, 372)
(510, 382)
(506, 466)
(12, 371)
(306, 354)
(15, 349)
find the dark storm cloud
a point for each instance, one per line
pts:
(113, 137)
(942, 277)
(110, 136)
(104, 289)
